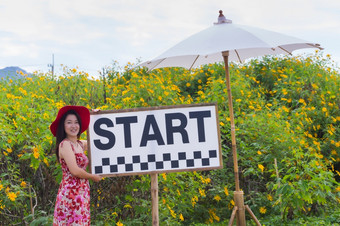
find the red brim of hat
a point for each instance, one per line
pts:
(83, 112)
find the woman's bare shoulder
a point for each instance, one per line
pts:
(64, 145)
(84, 142)
(64, 148)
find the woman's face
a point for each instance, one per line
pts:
(71, 126)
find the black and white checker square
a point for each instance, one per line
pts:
(154, 162)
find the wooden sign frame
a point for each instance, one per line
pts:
(218, 153)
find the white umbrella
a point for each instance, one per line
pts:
(241, 41)
(223, 42)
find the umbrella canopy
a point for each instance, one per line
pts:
(242, 42)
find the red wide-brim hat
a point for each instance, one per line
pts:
(83, 112)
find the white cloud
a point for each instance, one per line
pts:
(92, 33)
(13, 48)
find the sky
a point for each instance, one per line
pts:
(92, 34)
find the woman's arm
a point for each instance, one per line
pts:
(67, 154)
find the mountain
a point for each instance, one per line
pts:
(11, 72)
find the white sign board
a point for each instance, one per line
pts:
(158, 139)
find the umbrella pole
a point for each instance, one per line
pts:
(238, 194)
(232, 123)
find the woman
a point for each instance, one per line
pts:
(73, 200)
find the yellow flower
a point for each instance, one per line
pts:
(217, 198)
(259, 153)
(173, 214)
(23, 184)
(226, 192)
(231, 204)
(202, 192)
(46, 162)
(269, 197)
(45, 116)
(263, 210)
(324, 109)
(119, 223)
(134, 75)
(213, 214)
(181, 217)
(194, 201)
(12, 196)
(1, 187)
(36, 154)
(15, 123)
(150, 90)
(1, 205)
(261, 167)
(188, 84)
(9, 150)
(127, 206)
(337, 189)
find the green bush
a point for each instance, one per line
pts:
(287, 128)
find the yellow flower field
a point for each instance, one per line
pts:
(287, 129)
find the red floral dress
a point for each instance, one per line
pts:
(73, 200)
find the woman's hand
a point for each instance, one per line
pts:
(96, 178)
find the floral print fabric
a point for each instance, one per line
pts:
(73, 200)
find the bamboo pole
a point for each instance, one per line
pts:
(241, 213)
(154, 199)
(232, 123)
(253, 215)
(232, 216)
(238, 195)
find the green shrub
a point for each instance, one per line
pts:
(287, 129)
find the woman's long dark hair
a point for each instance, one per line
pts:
(61, 134)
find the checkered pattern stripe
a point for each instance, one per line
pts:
(124, 165)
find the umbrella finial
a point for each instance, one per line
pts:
(221, 19)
